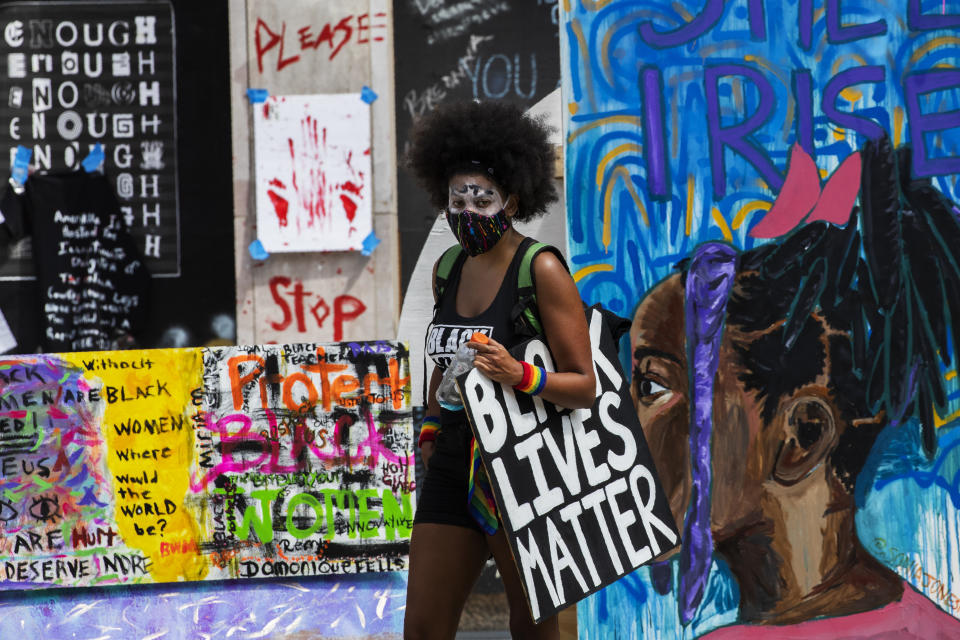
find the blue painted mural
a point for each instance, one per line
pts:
(821, 141)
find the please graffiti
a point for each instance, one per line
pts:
(360, 29)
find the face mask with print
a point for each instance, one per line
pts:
(477, 233)
(476, 215)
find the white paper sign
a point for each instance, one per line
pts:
(313, 172)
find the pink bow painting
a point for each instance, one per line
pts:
(801, 200)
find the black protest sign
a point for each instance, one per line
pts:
(577, 491)
(75, 74)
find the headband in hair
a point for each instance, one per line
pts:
(480, 165)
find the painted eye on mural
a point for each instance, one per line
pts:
(7, 511)
(45, 509)
(650, 390)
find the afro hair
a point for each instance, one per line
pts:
(496, 138)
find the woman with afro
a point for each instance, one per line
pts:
(486, 166)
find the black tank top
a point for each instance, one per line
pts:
(449, 329)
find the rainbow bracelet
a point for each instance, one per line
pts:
(428, 430)
(533, 380)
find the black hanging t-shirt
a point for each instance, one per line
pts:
(91, 277)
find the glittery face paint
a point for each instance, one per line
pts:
(709, 282)
(474, 193)
(475, 212)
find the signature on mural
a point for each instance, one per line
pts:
(905, 564)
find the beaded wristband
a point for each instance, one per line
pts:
(428, 430)
(533, 380)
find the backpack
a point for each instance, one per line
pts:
(524, 315)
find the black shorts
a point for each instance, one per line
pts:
(443, 495)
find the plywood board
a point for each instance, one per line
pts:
(284, 63)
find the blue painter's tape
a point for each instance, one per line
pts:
(94, 159)
(368, 95)
(21, 162)
(370, 243)
(257, 252)
(257, 95)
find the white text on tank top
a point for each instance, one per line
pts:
(444, 340)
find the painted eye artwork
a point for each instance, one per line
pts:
(7, 511)
(45, 509)
(649, 389)
(468, 195)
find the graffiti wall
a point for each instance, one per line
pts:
(221, 463)
(138, 78)
(767, 190)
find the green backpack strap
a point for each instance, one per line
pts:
(445, 267)
(526, 320)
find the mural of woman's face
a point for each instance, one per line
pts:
(660, 391)
(659, 388)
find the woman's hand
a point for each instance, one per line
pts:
(494, 361)
(426, 452)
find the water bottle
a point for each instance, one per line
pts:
(447, 393)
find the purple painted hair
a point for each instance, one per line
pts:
(709, 283)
